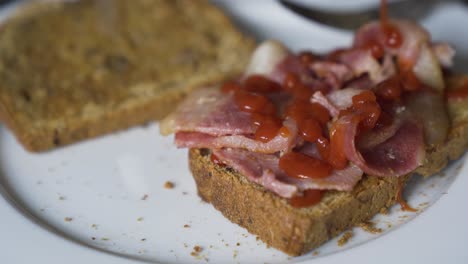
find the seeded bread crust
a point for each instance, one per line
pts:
(297, 231)
(76, 70)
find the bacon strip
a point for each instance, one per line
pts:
(278, 143)
(208, 111)
(263, 169)
(362, 62)
(336, 100)
(397, 156)
(415, 52)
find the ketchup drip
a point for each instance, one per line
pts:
(399, 197)
(383, 12)
(250, 96)
(393, 38)
(309, 197)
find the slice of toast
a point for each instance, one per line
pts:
(297, 231)
(72, 70)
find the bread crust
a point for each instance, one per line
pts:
(270, 217)
(297, 231)
(137, 60)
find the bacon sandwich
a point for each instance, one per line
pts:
(304, 146)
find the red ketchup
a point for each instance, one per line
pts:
(216, 160)
(393, 38)
(399, 197)
(309, 197)
(253, 96)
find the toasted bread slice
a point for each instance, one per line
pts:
(75, 70)
(297, 231)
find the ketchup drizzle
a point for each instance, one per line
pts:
(252, 96)
(399, 197)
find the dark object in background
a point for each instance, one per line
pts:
(3, 2)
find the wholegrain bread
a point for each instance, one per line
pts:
(75, 70)
(297, 231)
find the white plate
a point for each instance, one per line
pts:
(104, 201)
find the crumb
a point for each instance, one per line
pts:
(68, 219)
(186, 226)
(238, 244)
(185, 245)
(389, 225)
(169, 185)
(184, 193)
(211, 246)
(384, 211)
(144, 197)
(345, 238)
(423, 204)
(139, 219)
(234, 255)
(105, 239)
(197, 249)
(62, 198)
(143, 239)
(93, 238)
(315, 253)
(94, 226)
(227, 245)
(257, 238)
(370, 227)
